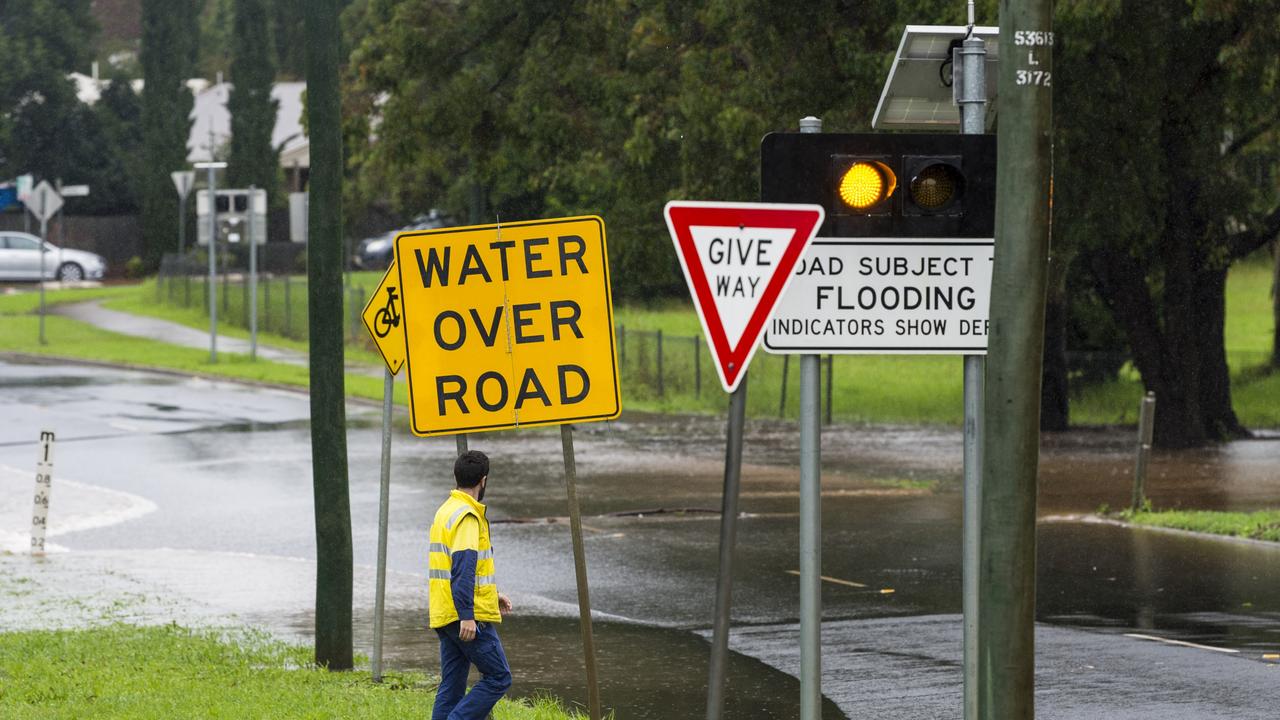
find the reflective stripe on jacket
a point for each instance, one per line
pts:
(448, 556)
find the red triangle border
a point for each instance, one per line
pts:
(804, 220)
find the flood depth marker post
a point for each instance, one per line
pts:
(1146, 434)
(44, 487)
(737, 259)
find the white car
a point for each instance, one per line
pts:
(20, 259)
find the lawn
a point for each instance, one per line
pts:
(664, 361)
(1261, 525)
(123, 671)
(1249, 320)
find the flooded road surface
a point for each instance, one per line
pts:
(226, 469)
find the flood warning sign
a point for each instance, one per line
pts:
(882, 295)
(508, 325)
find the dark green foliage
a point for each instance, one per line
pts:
(42, 41)
(48, 132)
(216, 23)
(1165, 126)
(288, 38)
(1156, 129)
(253, 159)
(115, 174)
(168, 58)
(556, 108)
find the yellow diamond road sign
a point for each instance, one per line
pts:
(384, 318)
(508, 325)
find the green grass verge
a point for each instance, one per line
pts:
(123, 671)
(1250, 325)
(1261, 525)
(906, 389)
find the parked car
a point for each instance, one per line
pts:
(20, 259)
(375, 253)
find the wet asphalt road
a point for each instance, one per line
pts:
(226, 470)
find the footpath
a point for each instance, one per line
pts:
(174, 333)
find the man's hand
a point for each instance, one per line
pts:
(467, 630)
(504, 604)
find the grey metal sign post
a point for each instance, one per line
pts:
(212, 287)
(733, 327)
(183, 181)
(43, 202)
(253, 274)
(971, 96)
(580, 571)
(728, 541)
(810, 523)
(384, 502)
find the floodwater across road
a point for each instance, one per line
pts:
(219, 471)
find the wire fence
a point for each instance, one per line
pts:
(183, 281)
(665, 370)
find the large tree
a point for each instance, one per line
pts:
(566, 107)
(116, 178)
(289, 40)
(1160, 106)
(253, 160)
(168, 56)
(42, 41)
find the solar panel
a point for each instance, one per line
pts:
(915, 96)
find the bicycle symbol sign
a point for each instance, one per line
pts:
(385, 320)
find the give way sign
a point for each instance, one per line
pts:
(738, 258)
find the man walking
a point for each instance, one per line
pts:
(465, 602)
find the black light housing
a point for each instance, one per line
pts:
(894, 184)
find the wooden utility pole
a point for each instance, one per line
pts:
(328, 396)
(1010, 448)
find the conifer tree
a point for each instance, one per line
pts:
(168, 57)
(253, 159)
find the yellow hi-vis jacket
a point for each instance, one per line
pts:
(452, 531)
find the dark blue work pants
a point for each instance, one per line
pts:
(456, 659)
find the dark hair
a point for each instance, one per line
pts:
(470, 467)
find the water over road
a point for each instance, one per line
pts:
(204, 489)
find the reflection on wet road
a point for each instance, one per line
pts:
(228, 469)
